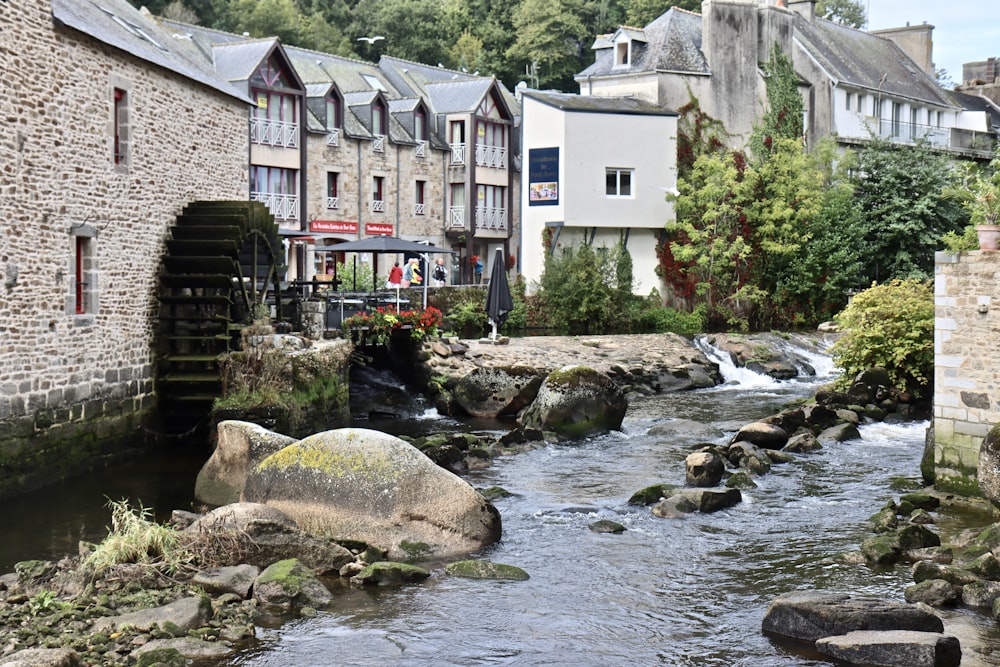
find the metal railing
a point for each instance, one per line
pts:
(378, 205)
(333, 138)
(379, 144)
(458, 153)
(419, 209)
(274, 133)
(333, 202)
(491, 218)
(456, 216)
(942, 137)
(282, 207)
(421, 150)
(491, 156)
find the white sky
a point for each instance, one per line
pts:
(964, 30)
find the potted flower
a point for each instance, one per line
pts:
(984, 205)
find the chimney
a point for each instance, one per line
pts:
(915, 41)
(804, 8)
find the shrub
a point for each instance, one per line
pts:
(890, 326)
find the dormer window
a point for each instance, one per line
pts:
(332, 113)
(622, 50)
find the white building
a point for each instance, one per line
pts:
(595, 170)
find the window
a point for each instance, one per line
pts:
(897, 118)
(82, 297)
(374, 82)
(420, 132)
(491, 211)
(275, 120)
(849, 96)
(121, 127)
(618, 182)
(332, 197)
(457, 134)
(861, 103)
(277, 188)
(621, 53)
(419, 207)
(378, 127)
(378, 197)
(332, 113)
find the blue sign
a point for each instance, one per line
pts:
(543, 176)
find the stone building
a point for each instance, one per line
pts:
(110, 129)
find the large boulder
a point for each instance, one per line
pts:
(256, 534)
(704, 468)
(364, 485)
(904, 648)
(988, 472)
(576, 401)
(493, 392)
(240, 446)
(812, 615)
(765, 436)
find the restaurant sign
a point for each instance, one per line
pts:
(334, 226)
(378, 229)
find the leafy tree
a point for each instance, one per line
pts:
(319, 35)
(581, 290)
(267, 18)
(902, 194)
(641, 12)
(467, 52)
(549, 34)
(783, 118)
(890, 326)
(412, 29)
(845, 12)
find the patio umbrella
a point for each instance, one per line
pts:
(388, 245)
(499, 302)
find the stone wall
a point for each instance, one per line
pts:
(73, 384)
(966, 363)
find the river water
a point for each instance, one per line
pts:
(675, 592)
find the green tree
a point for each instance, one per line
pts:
(267, 18)
(845, 12)
(319, 35)
(902, 194)
(549, 34)
(641, 12)
(412, 29)
(890, 326)
(578, 290)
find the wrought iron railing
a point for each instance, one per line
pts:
(333, 202)
(419, 209)
(378, 205)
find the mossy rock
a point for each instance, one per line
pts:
(923, 501)
(651, 494)
(607, 526)
(881, 549)
(484, 569)
(31, 570)
(885, 520)
(390, 572)
(741, 479)
(494, 492)
(161, 657)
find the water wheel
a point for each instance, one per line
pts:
(223, 269)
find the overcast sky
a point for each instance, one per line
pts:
(964, 30)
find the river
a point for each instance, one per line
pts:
(674, 592)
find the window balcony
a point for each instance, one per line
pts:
(333, 138)
(491, 156)
(939, 137)
(333, 202)
(378, 205)
(282, 207)
(421, 150)
(419, 209)
(379, 144)
(491, 219)
(458, 153)
(268, 132)
(456, 217)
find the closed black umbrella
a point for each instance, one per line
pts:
(499, 302)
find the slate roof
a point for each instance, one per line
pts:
(978, 103)
(860, 59)
(672, 42)
(595, 104)
(237, 61)
(122, 26)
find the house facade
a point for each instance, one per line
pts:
(112, 130)
(854, 83)
(597, 170)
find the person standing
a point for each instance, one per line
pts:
(440, 274)
(395, 276)
(407, 274)
(416, 279)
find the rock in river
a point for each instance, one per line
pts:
(365, 485)
(577, 401)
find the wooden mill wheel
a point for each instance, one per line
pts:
(223, 269)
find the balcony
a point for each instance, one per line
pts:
(491, 219)
(939, 137)
(491, 156)
(379, 143)
(268, 132)
(419, 209)
(458, 153)
(456, 217)
(333, 202)
(421, 150)
(378, 205)
(282, 207)
(333, 138)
